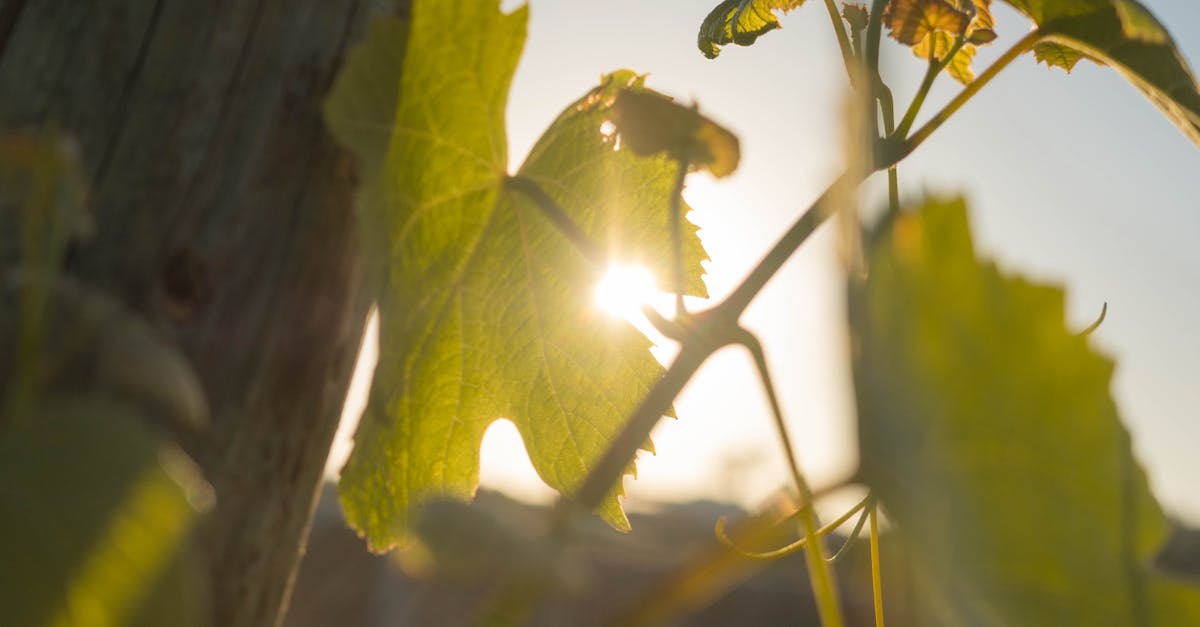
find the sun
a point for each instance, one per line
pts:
(624, 290)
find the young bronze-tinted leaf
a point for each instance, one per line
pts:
(936, 43)
(740, 22)
(988, 431)
(939, 44)
(94, 513)
(1126, 36)
(856, 16)
(651, 123)
(910, 21)
(981, 37)
(486, 308)
(982, 29)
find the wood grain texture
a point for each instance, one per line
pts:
(224, 216)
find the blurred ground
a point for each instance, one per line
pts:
(340, 584)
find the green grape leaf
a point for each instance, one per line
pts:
(94, 516)
(1126, 36)
(740, 22)
(486, 308)
(1058, 55)
(651, 123)
(988, 431)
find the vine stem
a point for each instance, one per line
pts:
(1021, 47)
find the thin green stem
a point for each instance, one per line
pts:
(1021, 47)
(931, 73)
(839, 29)
(914, 107)
(699, 580)
(876, 577)
(824, 586)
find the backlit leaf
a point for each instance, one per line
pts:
(1126, 36)
(988, 431)
(486, 308)
(740, 22)
(939, 44)
(936, 36)
(910, 21)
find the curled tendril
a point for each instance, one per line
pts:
(724, 538)
(1095, 325)
(868, 507)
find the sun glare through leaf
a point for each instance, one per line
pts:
(624, 290)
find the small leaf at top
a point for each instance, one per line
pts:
(650, 123)
(937, 42)
(740, 22)
(486, 308)
(1126, 36)
(910, 21)
(988, 430)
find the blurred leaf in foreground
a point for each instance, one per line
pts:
(94, 512)
(988, 431)
(486, 308)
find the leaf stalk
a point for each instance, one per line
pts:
(905, 148)
(931, 73)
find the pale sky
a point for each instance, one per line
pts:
(1077, 180)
